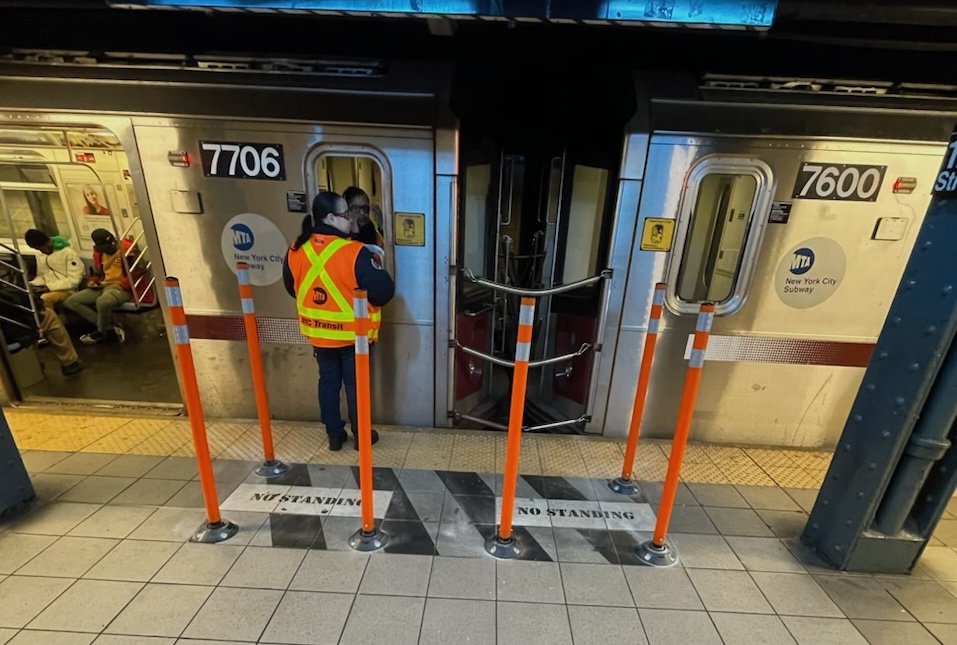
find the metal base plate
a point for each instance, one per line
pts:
(623, 486)
(212, 533)
(503, 549)
(366, 542)
(657, 556)
(270, 469)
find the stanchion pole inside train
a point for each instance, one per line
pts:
(368, 537)
(215, 528)
(625, 484)
(656, 551)
(271, 467)
(503, 544)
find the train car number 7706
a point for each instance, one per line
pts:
(842, 182)
(242, 160)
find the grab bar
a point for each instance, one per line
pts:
(606, 273)
(558, 359)
(557, 424)
(468, 417)
(506, 363)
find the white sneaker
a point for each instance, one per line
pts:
(120, 333)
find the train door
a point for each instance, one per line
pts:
(533, 220)
(67, 183)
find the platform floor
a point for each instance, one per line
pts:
(103, 555)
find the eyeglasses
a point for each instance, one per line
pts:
(344, 214)
(360, 208)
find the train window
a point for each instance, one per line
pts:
(359, 179)
(721, 233)
(589, 188)
(477, 183)
(31, 200)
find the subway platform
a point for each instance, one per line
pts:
(103, 555)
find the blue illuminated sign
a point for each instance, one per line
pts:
(756, 14)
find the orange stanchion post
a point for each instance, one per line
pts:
(503, 544)
(368, 537)
(656, 551)
(215, 529)
(624, 484)
(271, 467)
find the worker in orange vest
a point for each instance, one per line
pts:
(322, 270)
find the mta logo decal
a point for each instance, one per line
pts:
(243, 238)
(319, 296)
(802, 261)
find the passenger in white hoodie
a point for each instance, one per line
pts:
(59, 269)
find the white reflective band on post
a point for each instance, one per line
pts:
(704, 322)
(181, 334)
(243, 276)
(248, 307)
(697, 358)
(362, 344)
(361, 307)
(174, 297)
(526, 316)
(659, 298)
(523, 351)
(653, 325)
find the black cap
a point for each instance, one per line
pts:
(35, 239)
(103, 240)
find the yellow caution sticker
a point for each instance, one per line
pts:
(657, 234)
(409, 229)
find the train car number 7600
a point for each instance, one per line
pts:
(842, 182)
(242, 160)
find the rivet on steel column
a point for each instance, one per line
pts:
(215, 528)
(271, 467)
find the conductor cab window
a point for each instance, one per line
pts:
(721, 224)
(358, 178)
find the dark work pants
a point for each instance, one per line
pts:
(337, 367)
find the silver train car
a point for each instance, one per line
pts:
(794, 209)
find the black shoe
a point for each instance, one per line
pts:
(355, 440)
(335, 443)
(73, 368)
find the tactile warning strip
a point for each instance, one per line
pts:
(419, 448)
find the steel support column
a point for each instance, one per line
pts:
(892, 475)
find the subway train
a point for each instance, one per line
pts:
(792, 204)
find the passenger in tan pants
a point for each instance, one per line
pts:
(20, 328)
(54, 331)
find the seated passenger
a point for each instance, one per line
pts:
(59, 268)
(366, 218)
(19, 327)
(107, 288)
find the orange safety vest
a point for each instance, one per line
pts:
(324, 274)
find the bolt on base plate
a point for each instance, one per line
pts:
(503, 549)
(623, 486)
(657, 556)
(269, 469)
(372, 541)
(209, 533)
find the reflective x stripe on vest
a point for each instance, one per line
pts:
(321, 323)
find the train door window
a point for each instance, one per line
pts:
(477, 184)
(358, 178)
(586, 207)
(721, 224)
